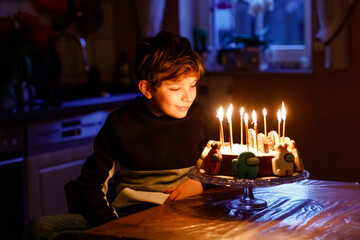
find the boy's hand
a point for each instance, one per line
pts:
(183, 190)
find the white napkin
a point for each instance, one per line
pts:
(130, 196)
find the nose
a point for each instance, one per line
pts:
(187, 95)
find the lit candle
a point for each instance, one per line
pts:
(220, 115)
(241, 125)
(246, 119)
(279, 123)
(228, 113)
(255, 128)
(283, 116)
(264, 113)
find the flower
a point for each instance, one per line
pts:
(241, 50)
(257, 7)
(34, 32)
(223, 4)
(51, 7)
(23, 38)
(6, 26)
(269, 5)
(22, 35)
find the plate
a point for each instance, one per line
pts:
(230, 181)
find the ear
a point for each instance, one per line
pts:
(145, 88)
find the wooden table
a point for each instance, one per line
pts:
(310, 209)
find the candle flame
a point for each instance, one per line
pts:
(246, 118)
(254, 117)
(241, 111)
(220, 113)
(283, 111)
(279, 115)
(264, 112)
(229, 112)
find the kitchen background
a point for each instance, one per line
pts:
(322, 104)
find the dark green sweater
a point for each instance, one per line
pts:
(140, 141)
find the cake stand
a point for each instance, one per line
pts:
(247, 203)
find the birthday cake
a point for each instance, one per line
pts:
(273, 158)
(263, 155)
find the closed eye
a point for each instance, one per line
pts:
(194, 84)
(174, 89)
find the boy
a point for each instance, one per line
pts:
(155, 139)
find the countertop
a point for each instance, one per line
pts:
(67, 108)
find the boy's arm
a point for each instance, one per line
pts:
(183, 190)
(93, 186)
(95, 173)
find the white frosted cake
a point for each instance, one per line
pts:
(267, 156)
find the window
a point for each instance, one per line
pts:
(285, 26)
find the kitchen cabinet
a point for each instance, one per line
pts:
(57, 149)
(58, 139)
(52, 142)
(47, 175)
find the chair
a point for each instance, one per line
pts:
(74, 200)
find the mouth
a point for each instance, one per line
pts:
(183, 109)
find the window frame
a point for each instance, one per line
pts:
(293, 53)
(192, 15)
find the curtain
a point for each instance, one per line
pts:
(149, 16)
(334, 31)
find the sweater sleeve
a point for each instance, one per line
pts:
(96, 172)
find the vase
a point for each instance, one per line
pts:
(247, 58)
(8, 97)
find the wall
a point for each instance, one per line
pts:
(323, 110)
(322, 107)
(126, 30)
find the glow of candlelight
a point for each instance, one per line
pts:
(265, 113)
(246, 119)
(220, 115)
(279, 123)
(229, 113)
(255, 128)
(254, 118)
(283, 116)
(241, 125)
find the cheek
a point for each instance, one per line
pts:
(168, 99)
(194, 92)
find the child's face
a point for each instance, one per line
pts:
(173, 98)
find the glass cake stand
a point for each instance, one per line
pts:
(247, 203)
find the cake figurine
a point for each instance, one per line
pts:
(299, 165)
(212, 161)
(273, 139)
(283, 162)
(251, 137)
(263, 143)
(246, 165)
